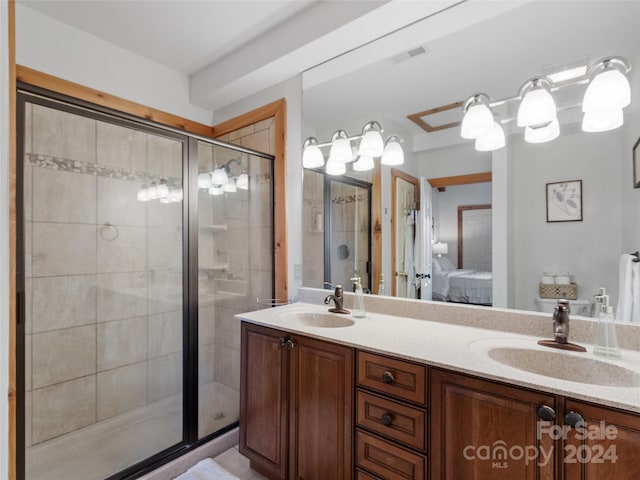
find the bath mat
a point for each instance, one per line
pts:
(206, 469)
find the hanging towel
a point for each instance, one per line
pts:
(625, 296)
(418, 261)
(409, 266)
(206, 469)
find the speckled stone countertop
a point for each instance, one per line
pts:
(464, 339)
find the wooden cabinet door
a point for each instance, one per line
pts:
(321, 411)
(606, 447)
(482, 430)
(263, 400)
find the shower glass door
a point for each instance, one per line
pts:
(103, 259)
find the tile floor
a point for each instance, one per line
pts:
(234, 463)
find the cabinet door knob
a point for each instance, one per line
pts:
(546, 413)
(386, 419)
(282, 342)
(291, 344)
(574, 419)
(387, 377)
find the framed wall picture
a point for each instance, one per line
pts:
(636, 164)
(564, 201)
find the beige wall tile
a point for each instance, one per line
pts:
(62, 302)
(28, 249)
(164, 156)
(165, 249)
(121, 147)
(28, 413)
(55, 414)
(28, 327)
(206, 363)
(227, 328)
(60, 196)
(121, 342)
(241, 132)
(28, 127)
(121, 295)
(259, 141)
(205, 157)
(62, 134)
(165, 377)
(206, 325)
(227, 366)
(164, 214)
(63, 249)
(27, 362)
(27, 197)
(126, 253)
(264, 124)
(63, 355)
(121, 390)
(260, 248)
(165, 292)
(165, 334)
(118, 203)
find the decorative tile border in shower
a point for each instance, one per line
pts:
(343, 199)
(86, 168)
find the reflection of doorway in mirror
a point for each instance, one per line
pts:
(474, 234)
(405, 194)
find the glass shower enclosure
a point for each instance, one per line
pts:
(131, 270)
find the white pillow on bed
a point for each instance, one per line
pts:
(444, 264)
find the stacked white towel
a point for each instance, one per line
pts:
(207, 469)
(629, 297)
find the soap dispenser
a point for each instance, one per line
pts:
(605, 343)
(358, 300)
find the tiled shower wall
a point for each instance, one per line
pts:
(103, 272)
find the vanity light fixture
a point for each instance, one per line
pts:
(341, 152)
(219, 177)
(159, 191)
(607, 93)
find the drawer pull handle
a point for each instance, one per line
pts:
(574, 419)
(546, 413)
(386, 419)
(387, 377)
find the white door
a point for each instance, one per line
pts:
(476, 239)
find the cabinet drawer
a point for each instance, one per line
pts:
(392, 419)
(388, 460)
(402, 379)
(360, 475)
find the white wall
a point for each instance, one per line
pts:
(446, 216)
(4, 240)
(58, 49)
(461, 159)
(291, 90)
(589, 249)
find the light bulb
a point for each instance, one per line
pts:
(536, 108)
(242, 182)
(363, 164)
(492, 140)
(230, 186)
(371, 144)
(152, 192)
(162, 190)
(602, 121)
(393, 154)
(143, 194)
(312, 155)
(609, 90)
(477, 120)
(340, 148)
(219, 177)
(204, 180)
(335, 168)
(542, 134)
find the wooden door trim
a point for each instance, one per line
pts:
(395, 173)
(441, 183)
(12, 460)
(277, 110)
(461, 210)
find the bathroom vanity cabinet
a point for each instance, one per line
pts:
(296, 405)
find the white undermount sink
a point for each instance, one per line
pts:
(575, 368)
(320, 320)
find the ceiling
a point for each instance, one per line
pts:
(354, 52)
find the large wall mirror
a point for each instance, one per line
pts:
(492, 212)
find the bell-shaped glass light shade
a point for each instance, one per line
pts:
(204, 180)
(363, 164)
(536, 108)
(215, 190)
(340, 148)
(162, 191)
(335, 168)
(609, 90)
(602, 121)
(175, 195)
(393, 154)
(542, 134)
(152, 192)
(230, 186)
(371, 144)
(312, 155)
(219, 177)
(242, 183)
(143, 194)
(492, 140)
(477, 120)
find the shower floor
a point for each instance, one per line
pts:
(103, 449)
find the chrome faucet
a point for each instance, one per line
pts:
(337, 299)
(561, 321)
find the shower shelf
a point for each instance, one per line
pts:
(219, 266)
(214, 228)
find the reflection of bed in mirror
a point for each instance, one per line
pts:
(452, 284)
